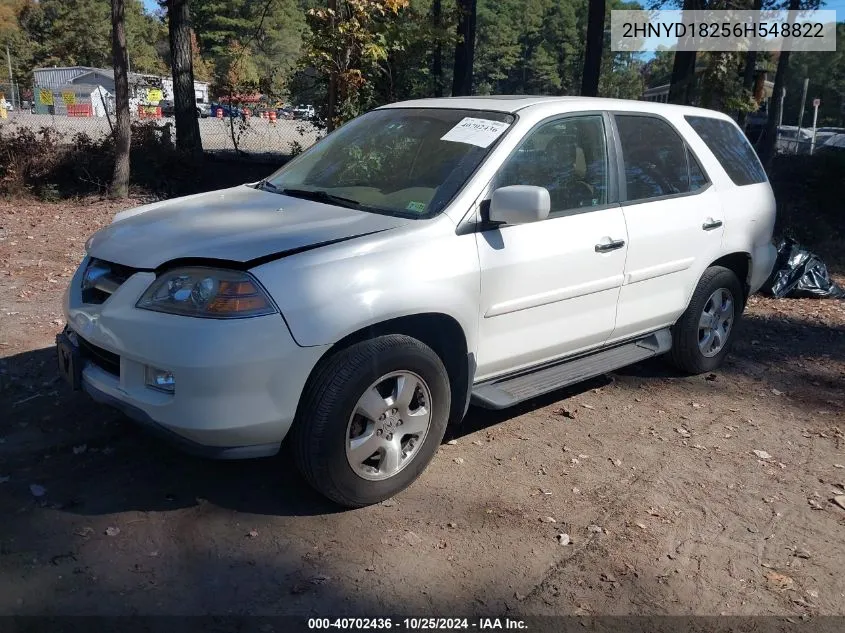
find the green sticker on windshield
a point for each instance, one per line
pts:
(419, 207)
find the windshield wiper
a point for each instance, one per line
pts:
(321, 196)
(266, 185)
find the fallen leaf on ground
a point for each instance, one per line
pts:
(840, 501)
(563, 539)
(839, 465)
(252, 533)
(548, 520)
(587, 406)
(608, 577)
(112, 531)
(451, 442)
(459, 460)
(778, 581)
(762, 454)
(815, 505)
(566, 413)
(412, 538)
(84, 532)
(683, 432)
(594, 529)
(776, 392)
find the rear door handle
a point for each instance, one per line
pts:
(611, 245)
(711, 224)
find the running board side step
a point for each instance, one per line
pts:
(501, 393)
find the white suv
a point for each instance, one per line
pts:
(424, 256)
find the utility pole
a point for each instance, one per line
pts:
(11, 81)
(801, 114)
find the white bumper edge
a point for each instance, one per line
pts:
(762, 262)
(185, 444)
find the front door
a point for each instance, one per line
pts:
(550, 288)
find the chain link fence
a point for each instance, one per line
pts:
(10, 99)
(87, 108)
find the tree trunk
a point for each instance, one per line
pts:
(464, 49)
(768, 147)
(332, 87)
(683, 68)
(592, 56)
(184, 99)
(437, 55)
(123, 130)
(749, 74)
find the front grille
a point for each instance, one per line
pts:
(102, 278)
(102, 358)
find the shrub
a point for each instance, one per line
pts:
(811, 207)
(43, 163)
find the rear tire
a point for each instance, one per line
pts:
(702, 337)
(354, 403)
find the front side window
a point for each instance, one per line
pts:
(655, 157)
(731, 148)
(406, 162)
(568, 157)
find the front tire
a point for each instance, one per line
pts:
(371, 419)
(702, 337)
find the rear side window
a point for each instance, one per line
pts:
(657, 161)
(731, 148)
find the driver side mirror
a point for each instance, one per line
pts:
(520, 204)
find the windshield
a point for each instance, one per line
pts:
(407, 162)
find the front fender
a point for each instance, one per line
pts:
(331, 292)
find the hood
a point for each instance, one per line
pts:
(240, 224)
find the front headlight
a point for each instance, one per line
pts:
(207, 292)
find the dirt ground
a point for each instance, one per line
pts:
(653, 476)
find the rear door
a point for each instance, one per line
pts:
(549, 288)
(674, 219)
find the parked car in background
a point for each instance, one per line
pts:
(228, 110)
(424, 256)
(285, 112)
(834, 143)
(168, 109)
(304, 112)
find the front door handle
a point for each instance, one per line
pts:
(711, 224)
(611, 245)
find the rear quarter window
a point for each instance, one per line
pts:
(731, 149)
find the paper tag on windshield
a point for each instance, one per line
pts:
(480, 132)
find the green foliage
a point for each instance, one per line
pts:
(266, 33)
(351, 46)
(826, 72)
(77, 32)
(721, 84)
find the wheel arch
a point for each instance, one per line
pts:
(740, 263)
(441, 332)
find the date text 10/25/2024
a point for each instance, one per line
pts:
(417, 624)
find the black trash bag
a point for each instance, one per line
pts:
(799, 273)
